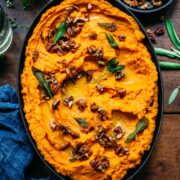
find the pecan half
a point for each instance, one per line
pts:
(104, 139)
(118, 131)
(119, 75)
(121, 93)
(100, 88)
(121, 37)
(89, 75)
(64, 146)
(159, 31)
(94, 107)
(35, 55)
(67, 130)
(68, 101)
(121, 151)
(70, 9)
(93, 36)
(91, 49)
(82, 104)
(100, 163)
(55, 104)
(151, 35)
(102, 114)
(53, 125)
(89, 7)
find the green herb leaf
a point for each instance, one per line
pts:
(72, 159)
(173, 95)
(9, 3)
(60, 32)
(101, 77)
(140, 126)
(113, 66)
(105, 25)
(82, 122)
(169, 65)
(111, 41)
(42, 81)
(168, 53)
(26, 3)
(172, 33)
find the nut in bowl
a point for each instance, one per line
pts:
(89, 89)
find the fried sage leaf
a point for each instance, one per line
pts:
(173, 95)
(9, 3)
(60, 32)
(111, 41)
(169, 65)
(26, 3)
(82, 122)
(113, 66)
(42, 81)
(140, 126)
(168, 53)
(172, 33)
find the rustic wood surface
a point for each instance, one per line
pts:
(165, 160)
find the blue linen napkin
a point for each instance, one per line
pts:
(15, 150)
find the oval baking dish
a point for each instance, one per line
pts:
(149, 46)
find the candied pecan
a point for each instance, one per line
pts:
(121, 151)
(72, 8)
(53, 125)
(99, 53)
(70, 71)
(64, 146)
(67, 130)
(49, 47)
(93, 36)
(79, 19)
(82, 104)
(121, 92)
(68, 101)
(151, 35)
(94, 107)
(51, 33)
(89, 75)
(100, 163)
(159, 31)
(119, 132)
(55, 104)
(104, 139)
(82, 151)
(101, 63)
(121, 37)
(102, 114)
(71, 32)
(101, 89)
(91, 49)
(119, 75)
(69, 21)
(89, 7)
(55, 88)
(35, 55)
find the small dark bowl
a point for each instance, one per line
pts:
(150, 48)
(164, 6)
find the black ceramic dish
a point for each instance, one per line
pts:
(148, 44)
(164, 6)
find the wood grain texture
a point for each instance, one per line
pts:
(165, 161)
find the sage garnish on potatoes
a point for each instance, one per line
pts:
(82, 122)
(26, 3)
(113, 66)
(169, 65)
(42, 81)
(140, 126)
(164, 52)
(60, 32)
(111, 41)
(172, 33)
(173, 95)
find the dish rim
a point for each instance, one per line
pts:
(133, 172)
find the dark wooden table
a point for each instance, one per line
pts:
(165, 160)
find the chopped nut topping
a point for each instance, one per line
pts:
(99, 53)
(70, 71)
(121, 93)
(119, 131)
(68, 101)
(159, 31)
(94, 107)
(64, 146)
(35, 55)
(53, 125)
(93, 36)
(121, 37)
(89, 75)
(55, 104)
(91, 49)
(70, 9)
(104, 139)
(89, 7)
(151, 35)
(82, 151)
(121, 151)
(82, 104)
(67, 130)
(100, 163)
(55, 88)
(102, 114)
(119, 75)
(100, 88)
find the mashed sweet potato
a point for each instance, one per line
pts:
(87, 81)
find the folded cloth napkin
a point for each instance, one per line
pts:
(15, 150)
